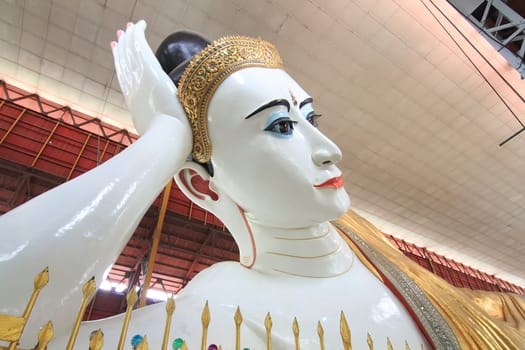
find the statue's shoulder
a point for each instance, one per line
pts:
(224, 278)
(217, 272)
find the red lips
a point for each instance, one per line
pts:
(335, 182)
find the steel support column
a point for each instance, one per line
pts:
(506, 18)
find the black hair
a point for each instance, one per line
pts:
(175, 53)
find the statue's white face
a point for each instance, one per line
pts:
(274, 163)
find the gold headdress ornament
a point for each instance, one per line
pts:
(207, 70)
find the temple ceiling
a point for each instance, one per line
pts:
(406, 89)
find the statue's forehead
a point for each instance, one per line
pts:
(247, 89)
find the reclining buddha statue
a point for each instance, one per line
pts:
(240, 138)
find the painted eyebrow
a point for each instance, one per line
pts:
(305, 102)
(280, 102)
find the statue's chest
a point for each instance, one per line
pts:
(368, 306)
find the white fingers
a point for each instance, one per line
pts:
(147, 89)
(144, 54)
(135, 65)
(116, 61)
(126, 63)
(127, 78)
(120, 62)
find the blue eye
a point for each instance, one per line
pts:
(280, 124)
(283, 126)
(312, 118)
(310, 115)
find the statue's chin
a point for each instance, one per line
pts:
(293, 219)
(338, 205)
(341, 206)
(344, 202)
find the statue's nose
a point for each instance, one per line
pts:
(326, 154)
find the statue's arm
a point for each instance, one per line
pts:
(79, 228)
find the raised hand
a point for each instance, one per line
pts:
(147, 89)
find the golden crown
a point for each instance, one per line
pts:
(207, 70)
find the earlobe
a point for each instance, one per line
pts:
(194, 181)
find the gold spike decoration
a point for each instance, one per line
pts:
(346, 336)
(12, 327)
(170, 308)
(131, 299)
(96, 342)
(143, 345)
(39, 282)
(422, 347)
(295, 328)
(320, 332)
(45, 335)
(407, 347)
(88, 290)
(220, 347)
(389, 344)
(238, 321)
(369, 341)
(205, 319)
(184, 346)
(268, 325)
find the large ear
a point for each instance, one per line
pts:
(194, 182)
